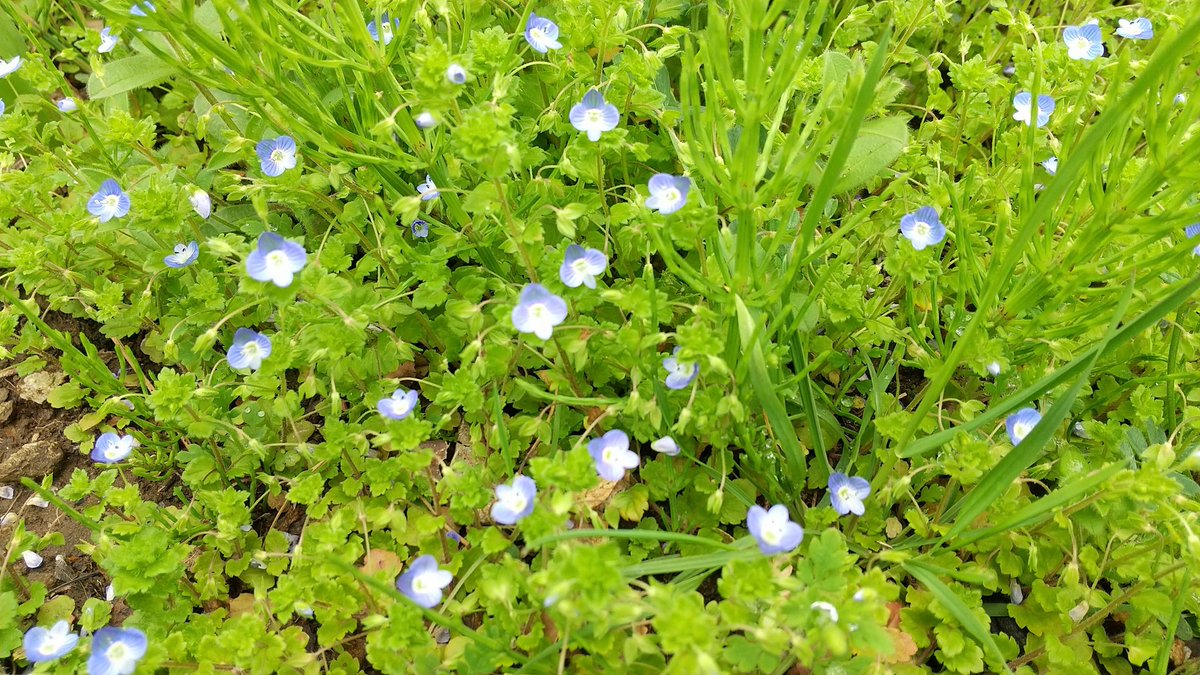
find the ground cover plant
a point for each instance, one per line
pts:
(599, 336)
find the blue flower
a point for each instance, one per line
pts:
(389, 26)
(9, 67)
(276, 260)
(112, 448)
(2, 107)
(923, 227)
(594, 116)
(1051, 165)
(538, 311)
(581, 265)
(515, 501)
(612, 455)
(201, 203)
(456, 74)
(679, 373)
(116, 651)
(666, 445)
(1083, 42)
(1020, 423)
(541, 34)
(423, 582)
(67, 105)
(773, 529)
(184, 255)
(847, 494)
(428, 190)
(248, 350)
(993, 368)
(1191, 231)
(108, 41)
(109, 202)
(668, 193)
(400, 405)
(420, 228)
(1022, 104)
(142, 8)
(425, 120)
(276, 155)
(1137, 29)
(42, 645)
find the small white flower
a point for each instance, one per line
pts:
(32, 560)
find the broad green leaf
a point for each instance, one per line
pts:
(879, 143)
(125, 75)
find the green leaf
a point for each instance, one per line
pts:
(958, 610)
(132, 72)
(879, 143)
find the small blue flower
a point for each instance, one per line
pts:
(538, 311)
(42, 645)
(541, 34)
(201, 203)
(425, 120)
(428, 190)
(111, 448)
(142, 8)
(515, 501)
(184, 255)
(679, 373)
(109, 202)
(276, 155)
(847, 494)
(581, 265)
(923, 228)
(1020, 423)
(108, 41)
(67, 105)
(116, 651)
(276, 260)
(248, 350)
(773, 529)
(456, 74)
(399, 405)
(1051, 165)
(612, 455)
(668, 193)
(388, 31)
(2, 107)
(1023, 105)
(1180, 98)
(594, 116)
(420, 228)
(1137, 29)
(666, 445)
(1083, 42)
(423, 582)
(9, 67)
(1191, 231)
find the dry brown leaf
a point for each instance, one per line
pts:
(242, 604)
(905, 647)
(380, 560)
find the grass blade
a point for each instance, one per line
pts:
(958, 609)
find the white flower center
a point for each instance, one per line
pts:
(537, 34)
(1021, 430)
(845, 494)
(1080, 44)
(671, 196)
(118, 654)
(114, 452)
(580, 266)
(112, 202)
(682, 368)
(53, 643)
(516, 502)
(386, 30)
(921, 229)
(609, 456)
(593, 117)
(537, 311)
(276, 259)
(278, 156)
(772, 531)
(250, 350)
